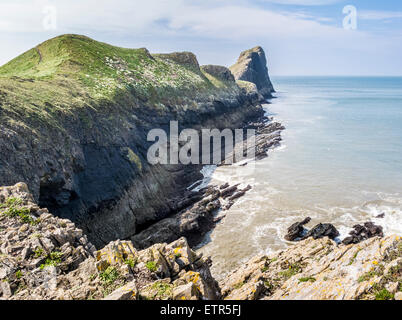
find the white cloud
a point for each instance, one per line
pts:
(215, 30)
(304, 2)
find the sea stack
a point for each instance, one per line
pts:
(252, 67)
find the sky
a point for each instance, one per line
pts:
(300, 37)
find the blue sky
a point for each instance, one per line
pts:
(300, 37)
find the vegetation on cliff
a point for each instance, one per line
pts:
(70, 74)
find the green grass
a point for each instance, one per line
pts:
(13, 208)
(109, 276)
(293, 269)
(18, 274)
(239, 285)
(164, 290)
(130, 262)
(371, 274)
(52, 259)
(307, 279)
(151, 266)
(384, 294)
(77, 78)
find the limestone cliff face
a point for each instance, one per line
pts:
(252, 67)
(74, 119)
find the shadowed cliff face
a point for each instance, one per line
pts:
(252, 67)
(74, 126)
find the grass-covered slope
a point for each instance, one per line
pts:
(70, 72)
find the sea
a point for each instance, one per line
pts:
(340, 162)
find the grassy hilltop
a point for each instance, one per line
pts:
(69, 73)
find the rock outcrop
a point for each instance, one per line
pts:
(252, 67)
(45, 257)
(321, 270)
(194, 221)
(363, 232)
(77, 133)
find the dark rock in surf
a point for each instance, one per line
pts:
(322, 230)
(363, 232)
(297, 230)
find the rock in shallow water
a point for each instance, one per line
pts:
(363, 232)
(322, 230)
(297, 230)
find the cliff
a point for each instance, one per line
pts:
(252, 67)
(45, 257)
(74, 118)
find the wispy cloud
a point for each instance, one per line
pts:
(297, 39)
(304, 2)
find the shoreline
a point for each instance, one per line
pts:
(207, 204)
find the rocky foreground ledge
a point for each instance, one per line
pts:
(45, 257)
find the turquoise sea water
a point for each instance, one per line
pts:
(340, 162)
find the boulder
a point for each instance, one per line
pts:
(363, 232)
(297, 230)
(186, 292)
(322, 230)
(127, 292)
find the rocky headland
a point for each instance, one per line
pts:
(74, 119)
(83, 215)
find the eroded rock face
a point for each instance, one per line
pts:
(45, 257)
(252, 67)
(92, 168)
(321, 270)
(219, 72)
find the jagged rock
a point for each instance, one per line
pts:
(184, 58)
(250, 90)
(186, 292)
(192, 222)
(228, 192)
(252, 67)
(222, 73)
(51, 259)
(224, 186)
(297, 230)
(127, 292)
(322, 230)
(363, 232)
(319, 270)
